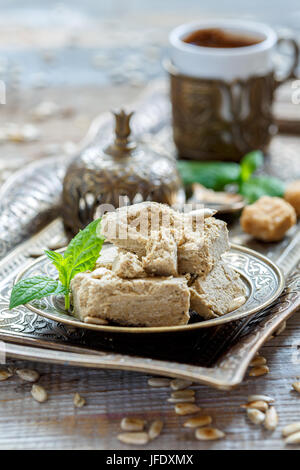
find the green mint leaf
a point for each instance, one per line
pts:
(254, 188)
(250, 163)
(35, 287)
(83, 250)
(213, 175)
(59, 262)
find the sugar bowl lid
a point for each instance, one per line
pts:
(123, 169)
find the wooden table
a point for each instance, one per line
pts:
(111, 395)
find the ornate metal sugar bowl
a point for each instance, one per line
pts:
(124, 172)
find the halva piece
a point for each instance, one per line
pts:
(292, 195)
(161, 257)
(199, 246)
(127, 265)
(154, 301)
(218, 292)
(198, 253)
(268, 219)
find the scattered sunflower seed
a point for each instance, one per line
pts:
(198, 421)
(36, 252)
(44, 110)
(209, 434)
(28, 375)
(158, 382)
(183, 393)
(291, 429)
(39, 393)
(56, 245)
(95, 321)
(293, 438)
(271, 419)
(155, 429)
(78, 400)
(132, 424)
(136, 438)
(280, 329)
(296, 386)
(4, 375)
(257, 405)
(265, 398)
(180, 384)
(186, 409)
(258, 371)
(258, 361)
(256, 416)
(182, 400)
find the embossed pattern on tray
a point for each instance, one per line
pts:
(263, 281)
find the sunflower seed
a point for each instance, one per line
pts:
(28, 375)
(256, 416)
(271, 419)
(36, 252)
(78, 400)
(132, 424)
(257, 405)
(136, 438)
(291, 429)
(95, 321)
(198, 421)
(180, 384)
(182, 400)
(4, 375)
(280, 329)
(39, 393)
(155, 429)
(186, 409)
(265, 398)
(258, 361)
(158, 382)
(296, 386)
(209, 434)
(293, 438)
(258, 371)
(183, 393)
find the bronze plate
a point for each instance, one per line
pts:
(263, 280)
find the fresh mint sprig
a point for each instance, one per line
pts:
(80, 255)
(217, 175)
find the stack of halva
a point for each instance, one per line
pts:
(160, 265)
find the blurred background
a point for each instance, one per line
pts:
(63, 63)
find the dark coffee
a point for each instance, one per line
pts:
(215, 37)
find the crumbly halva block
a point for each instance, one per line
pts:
(127, 265)
(161, 257)
(198, 247)
(218, 292)
(130, 227)
(198, 254)
(292, 195)
(155, 301)
(268, 219)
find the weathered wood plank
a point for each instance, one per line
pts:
(111, 395)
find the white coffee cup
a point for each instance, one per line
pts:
(223, 63)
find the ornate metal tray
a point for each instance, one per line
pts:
(218, 356)
(263, 281)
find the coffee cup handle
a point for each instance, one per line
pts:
(291, 73)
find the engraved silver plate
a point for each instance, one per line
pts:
(263, 281)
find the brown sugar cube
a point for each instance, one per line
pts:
(292, 195)
(268, 219)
